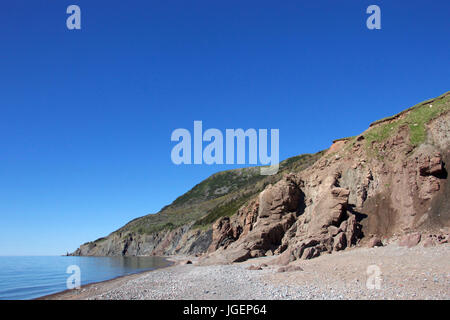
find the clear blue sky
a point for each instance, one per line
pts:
(86, 116)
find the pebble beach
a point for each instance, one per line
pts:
(402, 273)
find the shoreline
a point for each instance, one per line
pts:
(75, 294)
(406, 273)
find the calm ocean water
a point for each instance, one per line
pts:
(32, 277)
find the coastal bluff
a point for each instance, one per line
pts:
(387, 184)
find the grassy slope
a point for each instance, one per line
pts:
(414, 118)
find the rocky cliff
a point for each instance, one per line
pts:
(389, 182)
(185, 226)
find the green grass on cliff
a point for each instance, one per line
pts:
(219, 184)
(414, 118)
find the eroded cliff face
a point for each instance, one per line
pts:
(358, 193)
(183, 240)
(388, 182)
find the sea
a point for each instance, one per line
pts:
(23, 278)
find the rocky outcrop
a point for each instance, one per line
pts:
(360, 191)
(426, 239)
(226, 230)
(183, 240)
(431, 165)
(410, 240)
(375, 242)
(263, 223)
(285, 222)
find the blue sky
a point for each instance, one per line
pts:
(86, 116)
